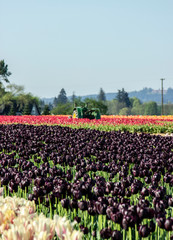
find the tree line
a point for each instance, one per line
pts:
(121, 105)
(14, 101)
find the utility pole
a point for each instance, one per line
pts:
(162, 94)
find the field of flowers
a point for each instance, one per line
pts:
(113, 184)
(150, 124)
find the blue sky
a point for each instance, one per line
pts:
(82, 46)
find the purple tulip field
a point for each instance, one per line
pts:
(115, 185)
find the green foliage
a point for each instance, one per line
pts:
(135, 102)
(12, 111)
(73, 98)
(101, 95)
(2, 90)
(15, 100)
(62, 98)
(125, 111)
(117, 107)
(68, 107)
(111, 107)
(137, 107)
(168, 109)
(27, 109)
(4, 73)
(150, 108)
(63, 109)
(41, 105)
(137, 110)
(26, 99)
(55, 102)
(92, 103)
(78, 102)
(123, 97)
(46, 110)
(6, 99)
(15, 89)
(114, 107)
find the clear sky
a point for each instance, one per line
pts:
(82, 46)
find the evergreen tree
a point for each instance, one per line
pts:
(62, 98)
(101, 95)
(55, 102)
(123, 97)
(73, 97)
(4, 73)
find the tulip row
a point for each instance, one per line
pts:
(151, 124)
(18, 220)
(115, 185)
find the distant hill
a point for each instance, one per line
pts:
(148, 94)
(48, 100)
(145, 95)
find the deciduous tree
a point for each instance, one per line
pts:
(151, 108)
(92, 103)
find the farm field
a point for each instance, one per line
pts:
(112, 176)
(150, 124)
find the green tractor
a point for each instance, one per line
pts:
(84, 112)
